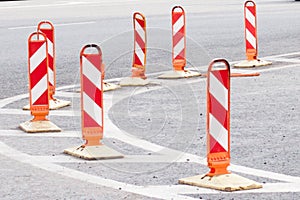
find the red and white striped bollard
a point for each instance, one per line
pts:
(251, 41)
(179, 46)
(92, 119)
(38, 85)
(218, 134)
(138, 77)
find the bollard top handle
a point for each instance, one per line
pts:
(43, 23)
(249, 4)
(82, 52)
(97, 55)
(177, 8)
(137, 15)
(218, 60)
(37, 34)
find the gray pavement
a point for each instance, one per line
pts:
(160, 128)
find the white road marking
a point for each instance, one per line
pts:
(67, 172)
(159, 191)
(282, 55)
(6, 101)
(20, 133)
(56, 25)
(287, 60)
(43, 5)
(67, 113)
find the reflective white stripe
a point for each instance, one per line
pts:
(219, 91)
(91, 72)
(250, 38)
(250, 17)
(218, 132)
(140, 54)
(179, 47)
(50, 47)
(140, 30)
(37, 57)
(39, 89)
(178, 24)
(51, 75)
(92, 109)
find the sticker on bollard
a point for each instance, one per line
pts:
(47, 28)
(138, 77)
(251, 38)
(218, 134)
(38, 86)
(178, 47)
(92, 75)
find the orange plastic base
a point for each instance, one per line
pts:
(138, 73)
(178, 65)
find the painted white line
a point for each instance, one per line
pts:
(6, 101)
(43, 5)
(159, 191)
(286, 60)
(68, 94)
(126, 159)
(64, 113)
(85, 177)
(56, 25)
(20, 133)
(265, 174)
(9, 100)
(296, 66)
(165, 151)
(282, 55)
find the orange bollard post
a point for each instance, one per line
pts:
(38, 86)
(251, 38)
(138, 77)
(218, 134)
(179, 46)
(92, 121)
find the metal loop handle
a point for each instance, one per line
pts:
(177, 7)
(43, 23)
(91, 46)
(38, 38)
(138, 15)
(249, 2)
(218, 60)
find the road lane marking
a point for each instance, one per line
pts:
(85, 177)
(56, 25)
(19, 6)
(157, 191)
(160, 191)
(64, 113)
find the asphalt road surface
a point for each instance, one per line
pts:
(159, 128)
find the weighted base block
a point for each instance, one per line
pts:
(179, 74)
(226, 182)
(252, 63)
(39, 126)
(93, 152)
(53, 104)
(134, 81)
(109, 86)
